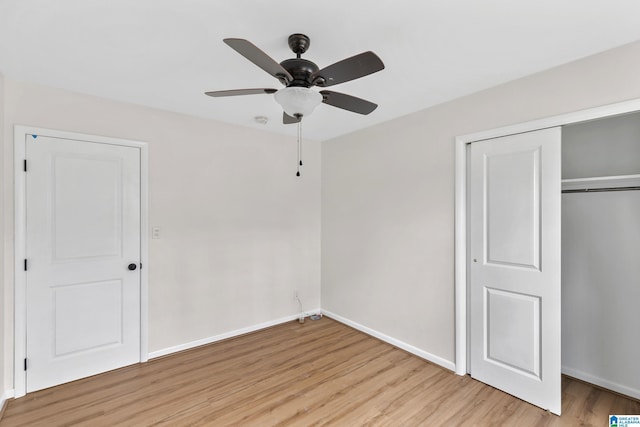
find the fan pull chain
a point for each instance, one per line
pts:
(300, 140)
(299, 145)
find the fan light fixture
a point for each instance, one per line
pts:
(298, 101)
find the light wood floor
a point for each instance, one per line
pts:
(317, 373)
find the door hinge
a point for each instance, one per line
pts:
(25, 363)
(25, 165)
(25, 264)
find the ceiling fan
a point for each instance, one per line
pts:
(299, 75)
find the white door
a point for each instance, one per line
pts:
(515, 265)
(83, 231)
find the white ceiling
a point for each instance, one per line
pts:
(166, 53)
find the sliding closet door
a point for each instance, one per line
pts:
(515, 265)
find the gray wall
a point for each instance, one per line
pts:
(602, 147)
(388, 197)
(601, 289)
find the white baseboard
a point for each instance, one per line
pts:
(8, 394)
(397, 343)
(227, 335)
(618, 388)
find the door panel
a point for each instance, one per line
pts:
(515, 269)
(92, 228)
(83, 230)
(512, 217)
(94, 324)
(513, 330)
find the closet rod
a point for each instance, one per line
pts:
(598, 190)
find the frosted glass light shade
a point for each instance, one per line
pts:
(298, 100)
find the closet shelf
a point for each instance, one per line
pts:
(601, 182)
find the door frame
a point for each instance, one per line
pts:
(19, 253)
(461, 258)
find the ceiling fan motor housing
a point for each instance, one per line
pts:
(301, 71)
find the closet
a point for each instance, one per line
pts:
(601, 252)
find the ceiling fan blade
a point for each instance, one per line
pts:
(347, 102)
(288, 120)
(261, 59)
(348, 69)
(236, 92)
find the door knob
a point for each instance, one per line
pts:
(132, 266)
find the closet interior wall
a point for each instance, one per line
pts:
(601, 253)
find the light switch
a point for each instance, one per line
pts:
(155, 232)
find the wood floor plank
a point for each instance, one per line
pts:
(314, 374)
